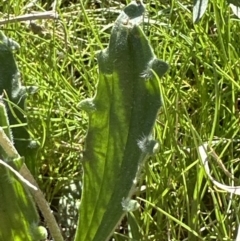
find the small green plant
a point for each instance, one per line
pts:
(18, 215)
(201, 105)
(121, 118)
(14, 95)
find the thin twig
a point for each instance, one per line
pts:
(19, 176)
(32, 16)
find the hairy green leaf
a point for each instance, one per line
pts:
(18, 215)
(121, 118)
(14, 96)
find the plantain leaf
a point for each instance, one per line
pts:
(18, 215)
(121, 118)
(15, 95)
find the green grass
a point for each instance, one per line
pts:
(200, 95)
